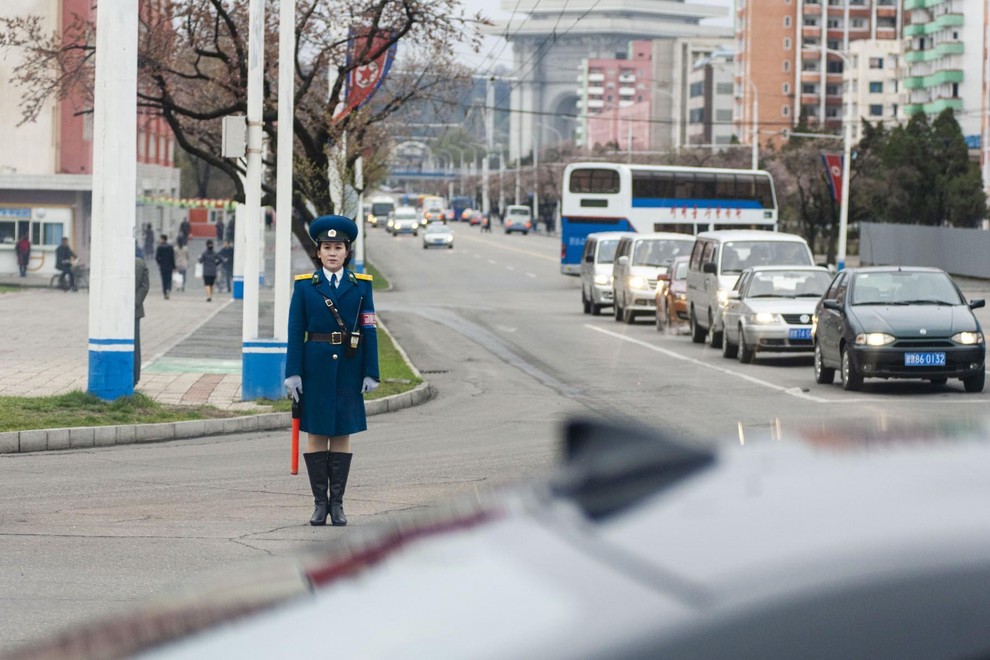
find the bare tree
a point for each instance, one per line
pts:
(193, 65)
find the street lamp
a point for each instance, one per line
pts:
(840, 258)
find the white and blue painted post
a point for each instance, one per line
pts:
(262, 361)
(111, 293)
(240, 247)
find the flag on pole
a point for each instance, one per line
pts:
(833, 168)
(363, 81)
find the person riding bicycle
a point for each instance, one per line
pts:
(64, 258)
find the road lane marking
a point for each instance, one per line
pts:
(555, 259)
(492, 261)
(531, 275)
(796, 392)
(510, 267)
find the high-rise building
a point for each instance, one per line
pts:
(46, 165)
(790, 58)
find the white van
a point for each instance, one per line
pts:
(596, 270)
(717, 259)
(639, 260)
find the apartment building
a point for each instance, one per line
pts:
(46, 166)
(874, 81)
(614, 99)
(790, 58)
(710, 102)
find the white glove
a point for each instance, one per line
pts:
(370, 385)
(294, 385)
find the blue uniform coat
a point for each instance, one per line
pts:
(332, 403)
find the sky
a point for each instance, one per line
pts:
(495, 50)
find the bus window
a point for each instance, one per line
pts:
(745, 186)
(764, 192)
(590, 180)
(684, 185)
(725, 186)
(704, 186)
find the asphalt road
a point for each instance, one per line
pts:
(500, 333)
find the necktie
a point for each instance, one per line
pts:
(333, 280)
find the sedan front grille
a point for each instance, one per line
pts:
(795, 319)
(916, 344)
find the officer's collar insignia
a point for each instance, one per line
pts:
(316, 278)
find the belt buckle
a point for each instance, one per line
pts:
(336, 338)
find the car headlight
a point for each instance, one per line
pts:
(968, 338)
(602, 280)
(680, 297)
(723, 297)
(637, 282)
(763, 318)
(874, 339)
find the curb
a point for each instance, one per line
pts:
(83, 437)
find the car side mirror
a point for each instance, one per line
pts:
(828, 303)
(588, 259)
(709, 268)
(978, 303)
(732, 295)
(623, 260)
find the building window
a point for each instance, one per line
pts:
(809, 88)
(832, 23)
(787, 43)
(876, 62)
(723, 116)
(785, 111)
(876, 87)
(787, 66)
(876, 110)
(696, 116)
(787, 21)
(723, 88)
(696, 89)
(858, 24)
(832, 90)
(834, 44)
(785, 88)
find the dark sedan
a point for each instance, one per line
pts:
(898, 322)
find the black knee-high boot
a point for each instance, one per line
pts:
(340, 467)
(317, 467)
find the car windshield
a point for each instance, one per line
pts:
(522, 211)
(680, 270)
(381, 209)
(405, 216)
(904, 288)
(437, 228)
(606, 251)
(659, 251)
(788, 284)
(740, 255)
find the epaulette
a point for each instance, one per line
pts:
(364, 276)
(303, 276)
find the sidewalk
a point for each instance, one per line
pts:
(190, 350)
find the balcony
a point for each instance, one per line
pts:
(910, 5)
(596, 104)
(940, 51)
(627, 78)
(938, 78)
(596, 77)
(627, 91)
(596, 91)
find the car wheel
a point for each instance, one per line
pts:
(628, 316)
(975, 382)
(729, 349)
(596, 310)
(852, 380)
(823, 375)
(424, 246)
(450, 247)
(747, 352)
(585, 303)
(713, 337)
(697, 332)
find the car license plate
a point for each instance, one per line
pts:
(924, 359)
(799, 333)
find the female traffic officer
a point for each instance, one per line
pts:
(332, 359)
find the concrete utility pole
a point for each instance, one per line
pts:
(111, 294)
(259, 374)
(489, 140)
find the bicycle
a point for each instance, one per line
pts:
(81, 274)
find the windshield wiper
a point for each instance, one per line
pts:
(926, 301)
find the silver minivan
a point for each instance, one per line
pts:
(717, 259)
(596, 270)
(639, 259)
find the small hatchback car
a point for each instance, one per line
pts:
(438, 234)
(898, 322)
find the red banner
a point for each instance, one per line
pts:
(363, 81)
(833, 167)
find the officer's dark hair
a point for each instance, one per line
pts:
(347, 259)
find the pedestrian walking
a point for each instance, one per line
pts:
(230, 229)
(210, 261)
(332, 359)
(183, 237)
(64, 258)
(23, 254)
(181, 264)
(141, 286)
(227, 254)
(219, 228)
(149, 241)
(165, 256)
